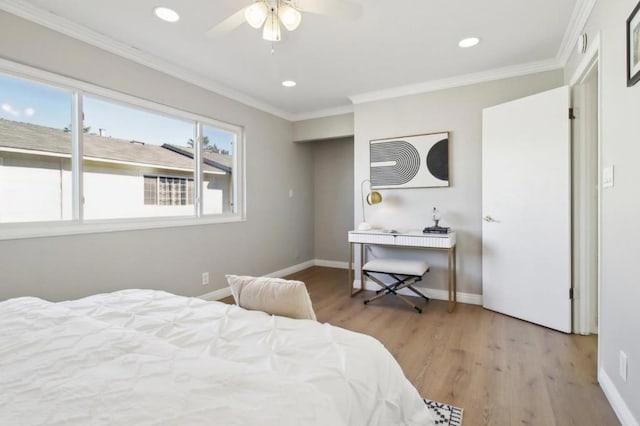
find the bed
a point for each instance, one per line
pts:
(138, 357)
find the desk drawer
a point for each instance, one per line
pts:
(371, 238)
(411, 241)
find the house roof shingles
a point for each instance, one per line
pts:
(32, 137)
(214, 159)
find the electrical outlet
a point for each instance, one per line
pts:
(205, 278)
(623, 366)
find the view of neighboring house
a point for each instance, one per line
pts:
(122, 179)
(217, 161)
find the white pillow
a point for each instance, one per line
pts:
(272, 295)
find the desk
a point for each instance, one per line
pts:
(406, 239)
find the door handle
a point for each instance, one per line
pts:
(489, 219)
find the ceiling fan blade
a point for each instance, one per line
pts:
(339, 8)
(228, 25)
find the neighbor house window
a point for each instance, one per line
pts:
(151, 190)
(125, 158)
(168, 191)
(35, 147)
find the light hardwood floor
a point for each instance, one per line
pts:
(501, 370)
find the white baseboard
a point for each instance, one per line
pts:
(615, 399)
(331, 263)
(217, 294)
(291, 269)
(226, 291)
(469, 298)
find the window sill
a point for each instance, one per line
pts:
(16, 231)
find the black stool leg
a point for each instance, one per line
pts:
(392, 289)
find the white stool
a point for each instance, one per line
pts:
(405, 272)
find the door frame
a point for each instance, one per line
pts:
(581, 305)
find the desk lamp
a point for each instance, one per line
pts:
(373, 197)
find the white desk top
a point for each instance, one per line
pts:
(415, 233)
(407, 238)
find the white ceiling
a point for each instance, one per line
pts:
(394, 43)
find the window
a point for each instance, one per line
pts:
(217, 167)
(168, 191)
(126, 159)
(35, 148)
(151, 190)
(122, 144)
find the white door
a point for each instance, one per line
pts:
(526, 190)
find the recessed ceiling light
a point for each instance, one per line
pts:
(166, 14)
(469, 42)
(288, 83)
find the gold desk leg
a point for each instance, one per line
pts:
(455, 281)
(351, 292)
(350, 268)
(452, 279)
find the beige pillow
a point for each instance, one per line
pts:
(272, 295)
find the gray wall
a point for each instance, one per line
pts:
(333, 197)
(619, 325)
(335, 126)
(459, 111)
(278, 232)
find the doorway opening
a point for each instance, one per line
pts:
(586, 193)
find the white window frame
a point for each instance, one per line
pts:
(238, 179)
(78, 225)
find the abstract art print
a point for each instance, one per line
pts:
(420, 161)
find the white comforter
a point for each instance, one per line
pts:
(138, 357)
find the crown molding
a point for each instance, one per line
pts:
(578, 20)
(458, 81)
(57, 23)
(321, 113)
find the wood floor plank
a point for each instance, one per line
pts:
(501, 370)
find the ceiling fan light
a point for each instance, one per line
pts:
(166, 14)
(256, 14)
(469, 42)
(289, 16)
(271, 30)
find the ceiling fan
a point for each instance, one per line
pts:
(269, 14)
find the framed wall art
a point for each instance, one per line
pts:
(633, 47)
(419, 161)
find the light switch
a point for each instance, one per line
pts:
(607, 177)
(623, 366)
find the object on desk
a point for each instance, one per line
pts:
(436, 230)
(373, 197)
(436, 217)
(389, 231)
